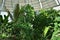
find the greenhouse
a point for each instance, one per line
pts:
(29, 19)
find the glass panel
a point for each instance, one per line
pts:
(0, 2)
(48, 3)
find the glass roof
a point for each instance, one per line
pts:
(37, 4)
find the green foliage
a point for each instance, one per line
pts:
(26, 25)
(56, 33)
(16, 12)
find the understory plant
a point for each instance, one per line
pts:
(27, 25)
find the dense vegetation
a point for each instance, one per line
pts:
(27, 25)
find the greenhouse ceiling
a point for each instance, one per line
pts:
(37, 4)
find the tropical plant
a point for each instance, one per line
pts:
(26, 25)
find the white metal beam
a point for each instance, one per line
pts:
(57, 2)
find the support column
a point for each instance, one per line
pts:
(40, 4)
(3, 3)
